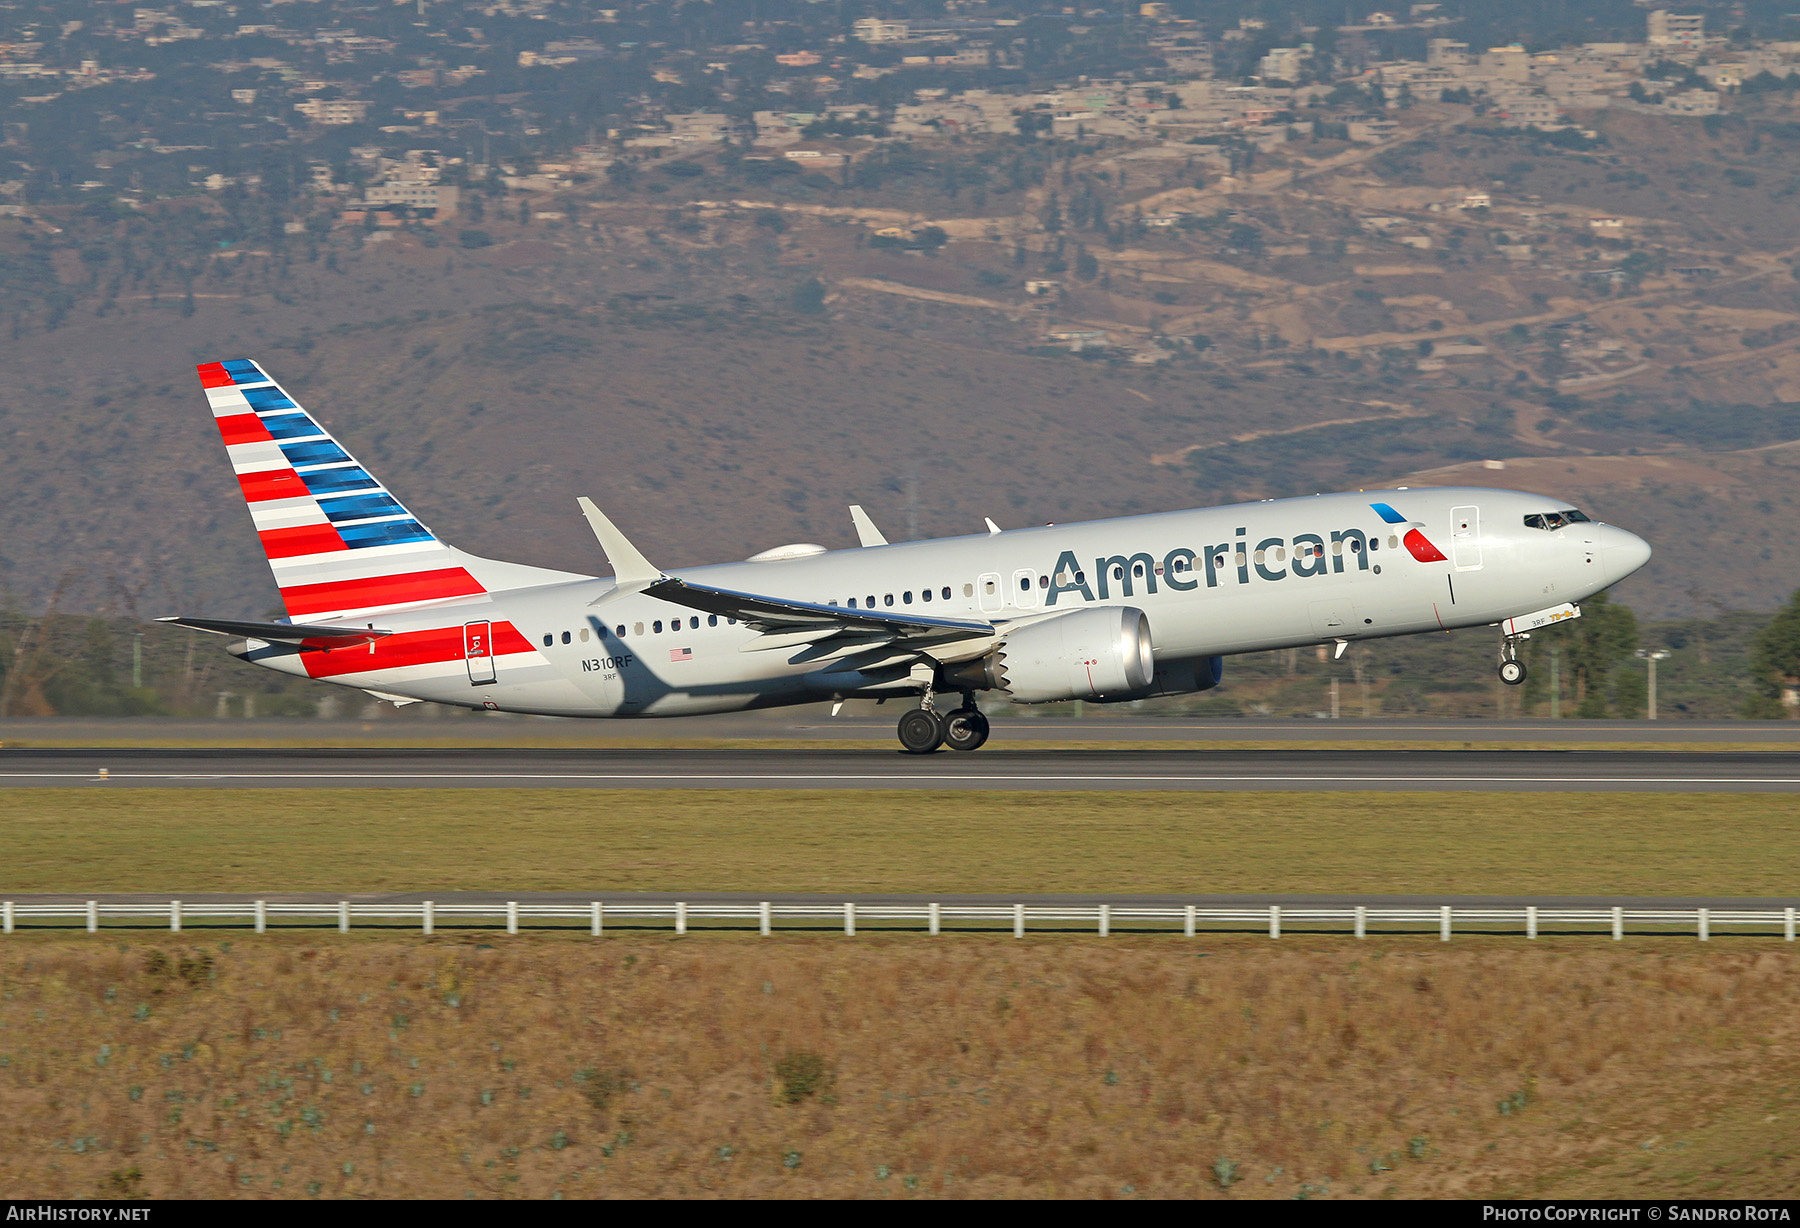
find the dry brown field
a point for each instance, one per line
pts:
(890, 1067)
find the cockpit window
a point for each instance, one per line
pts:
(1551, 521)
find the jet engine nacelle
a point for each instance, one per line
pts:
(1095, 653)
(1186, 677)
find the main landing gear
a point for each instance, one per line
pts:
(922, 729)
(1512, 670)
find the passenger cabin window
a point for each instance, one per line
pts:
(969, 589)
(871, 601)
(853, 603)
(637, 628)
(694, 623)
(1552, 521)
(1024, 584)
(566, 637)
(549, 639)
(926, 594)
(712, 620)
(887, 599)
(621, 630)
(947, 592)
(584, 635)
(657, 626)
(906, 597)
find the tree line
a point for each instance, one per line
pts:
(1734, 664)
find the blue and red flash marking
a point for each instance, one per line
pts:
(1416, 542)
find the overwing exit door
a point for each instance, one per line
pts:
(478, 652)
(988, 590)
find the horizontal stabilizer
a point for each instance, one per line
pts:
(778, 615)
(284, 633)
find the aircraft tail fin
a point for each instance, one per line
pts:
(339, 543)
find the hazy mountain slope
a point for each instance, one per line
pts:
(713, 420)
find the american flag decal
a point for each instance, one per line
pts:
(681, 654)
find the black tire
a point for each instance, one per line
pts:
(920, 732)
(1512, 673)
(965, 729)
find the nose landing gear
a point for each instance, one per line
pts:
(1512, 670)
(922, 730)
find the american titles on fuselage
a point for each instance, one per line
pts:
(1274, 558)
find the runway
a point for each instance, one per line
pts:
(1014, 769)
(1012, 727)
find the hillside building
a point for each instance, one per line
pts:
(1446, 53)
(1281, 64)
(333, 111)
(875, 30)
(442, 198)
(1685, 30)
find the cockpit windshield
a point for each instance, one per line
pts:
(1552, 521)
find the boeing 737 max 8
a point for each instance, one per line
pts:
(1105, 611)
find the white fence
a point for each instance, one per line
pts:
(1102, 919)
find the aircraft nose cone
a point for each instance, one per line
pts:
(1623, 553)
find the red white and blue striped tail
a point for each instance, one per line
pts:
(339, 543)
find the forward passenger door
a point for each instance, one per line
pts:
(1465, 538)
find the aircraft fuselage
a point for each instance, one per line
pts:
(1212, 582)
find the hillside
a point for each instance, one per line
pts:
(725, 377)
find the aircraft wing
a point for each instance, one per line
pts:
(284, 633)
(779, 616)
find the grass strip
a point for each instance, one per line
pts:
(354, 840)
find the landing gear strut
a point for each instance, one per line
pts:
(1512, 670)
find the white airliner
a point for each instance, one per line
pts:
(1106, 611)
